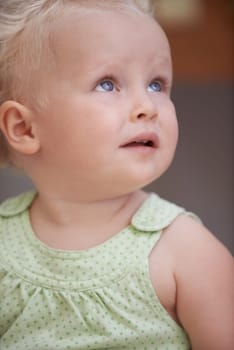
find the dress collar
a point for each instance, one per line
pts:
(17, 205)
(154, 214)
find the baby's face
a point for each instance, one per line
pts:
(109, 127)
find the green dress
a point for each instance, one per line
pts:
(99, 298)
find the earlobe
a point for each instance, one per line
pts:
(17, 124)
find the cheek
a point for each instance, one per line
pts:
(170, 123)
(86, 140)
(99, 124)
(174, 130)
(80, 128)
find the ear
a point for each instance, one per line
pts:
(17, 125)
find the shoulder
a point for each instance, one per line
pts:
(191, 241)
(190, 236)
(203, 270)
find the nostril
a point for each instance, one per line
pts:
(141, 115)
(146, 115)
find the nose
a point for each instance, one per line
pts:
(143, 109)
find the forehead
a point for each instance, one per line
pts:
(102, 35)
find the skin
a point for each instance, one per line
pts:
(103, 121)
(73, 150)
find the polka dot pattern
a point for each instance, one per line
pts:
(100, 298)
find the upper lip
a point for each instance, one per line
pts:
(146, 137)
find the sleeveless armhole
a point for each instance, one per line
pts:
(160, 215)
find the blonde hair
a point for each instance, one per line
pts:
(25, 27)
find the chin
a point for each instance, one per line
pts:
(146, 177)
(136, 184)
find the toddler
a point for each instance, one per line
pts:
(89, 260)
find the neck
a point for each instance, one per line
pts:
(81, 224)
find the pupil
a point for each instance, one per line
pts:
(156, 86)
(107, 85)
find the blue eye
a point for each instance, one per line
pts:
(155, 86)
(105, 85)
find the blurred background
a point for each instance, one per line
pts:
(201, 177)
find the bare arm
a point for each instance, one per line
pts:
(204, 274)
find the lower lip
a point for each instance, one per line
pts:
(141, 149)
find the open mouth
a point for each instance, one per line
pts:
(148, 140)
(144, 143)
